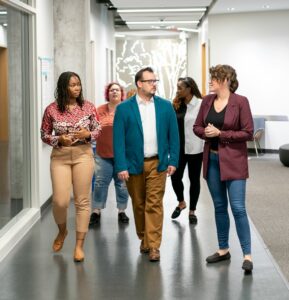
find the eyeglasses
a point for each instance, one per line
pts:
(151, 81)
(114, 90)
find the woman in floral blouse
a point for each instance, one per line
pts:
(69, 125)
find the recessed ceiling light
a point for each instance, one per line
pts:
(159, 22)
(143, 10)
(2, 12)
(266, 6)
(188, 29)
(5, 24)
(231, 8)
(119, 35)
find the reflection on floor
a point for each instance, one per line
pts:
(8, 207)
(114, 268)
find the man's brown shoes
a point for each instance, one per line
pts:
(143, 249)
(154, 254)
(58, 242)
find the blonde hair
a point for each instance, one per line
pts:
(130, 93)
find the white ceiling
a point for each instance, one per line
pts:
(217, 7)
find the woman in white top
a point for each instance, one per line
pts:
(187, 104)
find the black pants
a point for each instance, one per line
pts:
(194, 162)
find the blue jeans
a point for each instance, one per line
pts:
(104, 173)
(236, 190)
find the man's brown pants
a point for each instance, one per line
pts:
(146, 191)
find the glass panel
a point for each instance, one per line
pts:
(14, 114)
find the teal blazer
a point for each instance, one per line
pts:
(128, 143)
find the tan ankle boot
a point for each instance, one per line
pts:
(78, 251)
(58, 242)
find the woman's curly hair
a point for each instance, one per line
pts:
(222, 72)
(190, 83)
(61, 91)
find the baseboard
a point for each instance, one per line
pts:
(16, 229)
(252, 150)
(45, 206)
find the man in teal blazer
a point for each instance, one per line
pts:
(146, 151)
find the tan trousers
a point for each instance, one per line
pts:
(146, 191)
(72, 166)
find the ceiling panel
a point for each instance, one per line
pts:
(216, 7)
(159, 3)
(161, 16)
(225, 6)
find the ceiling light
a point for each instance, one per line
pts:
(5, 24)
(188, 29)
(160, 22)
(266, 6)
(119, 35)
(231, 8)
(2, 12)
(143, 10)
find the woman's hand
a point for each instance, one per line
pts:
(81, 134)
(65, 140)
(212, 131)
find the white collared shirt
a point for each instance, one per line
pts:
(193, 144)
(148, 119)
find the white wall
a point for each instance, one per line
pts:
(195, 43)
(45, 48)
(194, 66)
(257, 46)
(3, 37)
(101, 38)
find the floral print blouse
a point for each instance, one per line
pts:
(55, 123)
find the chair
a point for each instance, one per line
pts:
(257, 137)
(284, 154)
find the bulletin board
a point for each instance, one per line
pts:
(47, 78)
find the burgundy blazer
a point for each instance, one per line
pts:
(236, 131)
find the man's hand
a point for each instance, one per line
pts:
(171, 170)
(123, 175)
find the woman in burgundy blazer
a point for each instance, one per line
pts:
(225, 123)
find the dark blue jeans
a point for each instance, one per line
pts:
(220, 191)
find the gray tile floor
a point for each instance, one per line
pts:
(114, 269)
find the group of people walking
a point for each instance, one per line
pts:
(139, 143)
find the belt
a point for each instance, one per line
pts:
(151, 158)
(78, 143)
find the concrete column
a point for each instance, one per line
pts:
(15, 97)
(71, 19)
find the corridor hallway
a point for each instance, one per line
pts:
(114, 268)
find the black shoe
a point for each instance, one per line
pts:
(216, 257)
(177, 212)
(94, 219)
(247, 266)
(193, 219)
(123, 218)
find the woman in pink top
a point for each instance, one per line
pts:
(69, 125)
(104, 167)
